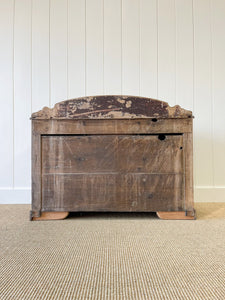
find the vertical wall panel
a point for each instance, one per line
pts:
(148, 49)
(184, 53)
(172, 50)
(58, 51)
(40, 54)
(6, 92)
(76, 48)
(22, 93)
(203, 162)
(130, 47)
(112, 47)
(94, 47)
(167, 51)
(218, 88)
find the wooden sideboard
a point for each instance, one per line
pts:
(112, 153)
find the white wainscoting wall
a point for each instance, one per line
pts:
(52, 50)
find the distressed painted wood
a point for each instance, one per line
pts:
(117, 107)
(112, 153)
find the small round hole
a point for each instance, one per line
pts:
(161, 137)
(181, 148)
(154, 120)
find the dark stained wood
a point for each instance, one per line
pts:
(103, 107)
(112, 153)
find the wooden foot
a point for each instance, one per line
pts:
(176, 215)
(51, 215)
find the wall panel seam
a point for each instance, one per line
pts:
(31, 56)
(85, 49)
(175, 51)
(49, 50)
(121, 47)
(13, 112)
(157, 48)
(193, 62)
(103, 47)
(67, 51)
(193, 100)
(211, 90)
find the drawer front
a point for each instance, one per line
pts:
(112, 153)
(112, 172)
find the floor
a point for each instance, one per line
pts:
(112, 256)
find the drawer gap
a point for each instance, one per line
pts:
(129, 134)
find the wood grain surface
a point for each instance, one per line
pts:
(112, 153)
(111, 106)
(112, 172)
(112, 192)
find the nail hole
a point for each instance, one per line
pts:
(181, 148)
(154, 120)
(161, 137)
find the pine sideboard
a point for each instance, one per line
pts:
(112, 153)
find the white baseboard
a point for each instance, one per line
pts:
(23, 195)
(209, 194)
(15, 196)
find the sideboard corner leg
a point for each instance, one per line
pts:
(49, 215)
(176, 215)
(34, 214)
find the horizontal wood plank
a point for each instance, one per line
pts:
(139, 126)
(112, 153)
(112, 192)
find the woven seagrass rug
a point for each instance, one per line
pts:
(112, 256)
